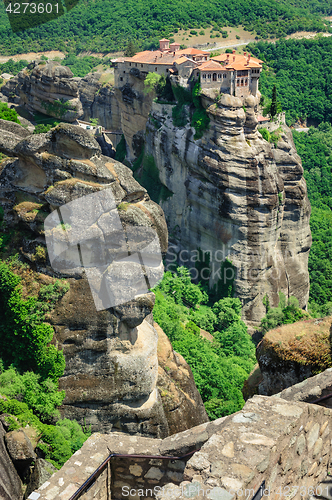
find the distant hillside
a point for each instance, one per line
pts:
(301, 71)
(105, 26)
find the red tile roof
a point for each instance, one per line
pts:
(240, 60)
(210, 65)
(192, 52)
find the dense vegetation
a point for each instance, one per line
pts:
(102, 26)
(13, 67)
(301, 71)
(219, 366)
(30, 364)
(315, 149)
(8, 114)
(81, 66)
(288, 311)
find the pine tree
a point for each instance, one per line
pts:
(274, 103)
(131, 49)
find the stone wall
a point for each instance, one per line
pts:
(286, 444)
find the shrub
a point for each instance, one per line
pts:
(286, 312)
(41, 396)
(8, 114)
(24, 338)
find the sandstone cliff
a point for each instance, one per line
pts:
(99, 101)
(237, 196)
(111, 355)
(134, 108)
(48, 88)
(51, 89)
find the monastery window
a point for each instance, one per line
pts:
(124, 71)
(242, 82)
(214, 77)
(219, 76)
(156, 69)
(121, 79)
(237, 82)
(136, 65)
(246, 81)
(224, 75)
(209, 76)
(141, 65)
(204, 76)
(166, 70)
(129, 64)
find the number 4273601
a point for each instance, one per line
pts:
(32, 8)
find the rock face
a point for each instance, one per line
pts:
(48, 88)
(111, 354)
(292, 353)
(99, 101)
(182, 402)
(10, 482)
(134, 109)
(235, 196)
(51, 89)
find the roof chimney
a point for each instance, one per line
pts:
(233, 51)
(244, 53)
(227, 60)
(249, 56)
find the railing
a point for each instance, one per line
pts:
(92, 479)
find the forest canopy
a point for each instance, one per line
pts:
(301, 72)
(102, 26)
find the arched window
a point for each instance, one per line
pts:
(214, 77)
(204, 76)
(219, 76)
(209, 75)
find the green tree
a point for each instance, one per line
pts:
(25, 340)
(131, 49)
(151, 81)
(274, 103)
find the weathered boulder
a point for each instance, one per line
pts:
(292, 353)
(235, 196)
(181, 400)
(42, 471)
(20, 450)
(46, 87)
(111, 354)
(311, 389)
(10, 482)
